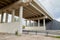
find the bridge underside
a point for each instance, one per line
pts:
(29, 10)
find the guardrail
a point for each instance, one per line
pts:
(34, 28)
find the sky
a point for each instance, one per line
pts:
(53, 7)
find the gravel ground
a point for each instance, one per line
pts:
(26, 37)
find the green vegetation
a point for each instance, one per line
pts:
(55, 36)
(23, 27)
(16, 33)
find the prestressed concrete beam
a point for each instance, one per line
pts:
(37, 18)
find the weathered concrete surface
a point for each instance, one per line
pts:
(26, 37)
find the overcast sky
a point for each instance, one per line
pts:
(53, 7)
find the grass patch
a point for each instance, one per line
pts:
(55, 36)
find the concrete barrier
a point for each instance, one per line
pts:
(9, 27)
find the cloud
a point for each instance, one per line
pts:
(58, 19)
(52, 6)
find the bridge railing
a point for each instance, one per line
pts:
(34, 28)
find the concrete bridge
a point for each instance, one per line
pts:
(30, 10)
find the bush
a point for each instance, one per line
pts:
(16, 33)
(23, 27)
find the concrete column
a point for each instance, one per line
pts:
(13, 14)
(33, 23)
(30, 23)
(20, 18)
(26, 23)
(44, 24)
(38, 23)
(0, 18)
(6, 20)
(2, 14)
